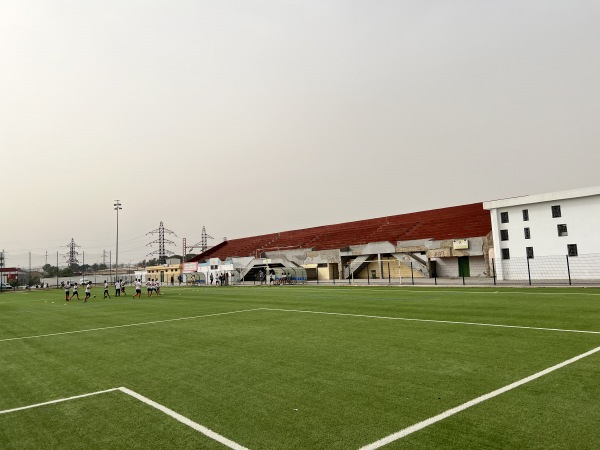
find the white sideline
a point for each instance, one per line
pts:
(490, 291)
(408, 319)
(127, 325)
(425, 423)
(190, 423)
(462, 290)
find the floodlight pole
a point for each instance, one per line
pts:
(117, 206)
(1, 271)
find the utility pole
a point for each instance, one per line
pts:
(1, 271)
(117, 206)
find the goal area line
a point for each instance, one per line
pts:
(169, 412)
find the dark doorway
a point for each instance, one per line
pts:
(463, 266)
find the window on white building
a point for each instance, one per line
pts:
(556, 211)
(572, 250)
(505, 253)
(525, 215)
(529, 251)
(504, 217)
(527, 233)
(504, 235)
(562, 230)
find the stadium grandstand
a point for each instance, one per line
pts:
(453, 241)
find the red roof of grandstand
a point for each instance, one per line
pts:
(446, 223)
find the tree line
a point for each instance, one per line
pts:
(72, 269)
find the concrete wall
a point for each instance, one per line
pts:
(441, 251)
(391, 266)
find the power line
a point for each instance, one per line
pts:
(203, 244)
(71, 255)
(161, 241)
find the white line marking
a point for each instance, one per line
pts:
(196, 426)
(493, 290)
(431, 321)
(127, 325)
(425, 423)
(459, 289)
(6, 411)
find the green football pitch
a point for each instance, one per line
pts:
(302, 367)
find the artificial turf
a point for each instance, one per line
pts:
(252, 364)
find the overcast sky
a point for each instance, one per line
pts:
(251, 117)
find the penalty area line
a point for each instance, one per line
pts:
(169, 412)
(184, 420)
(450, 412)
(154, 322)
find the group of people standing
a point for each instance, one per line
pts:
(272, 279)
(152, 287)
(222, 279)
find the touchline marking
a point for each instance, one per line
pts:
(456, 290)
(128, 325)
(491, 291)
(425, 423)
(190, 423)
(431, 320)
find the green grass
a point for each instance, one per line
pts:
(270, 379)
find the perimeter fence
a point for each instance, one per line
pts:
(555, 270)
(23, 270)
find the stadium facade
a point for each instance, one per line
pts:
(447, 242)
(550, 236)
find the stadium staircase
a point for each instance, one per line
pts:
(256, 264)
(356, 266)
(417, 263)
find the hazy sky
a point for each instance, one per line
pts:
(251, 117)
